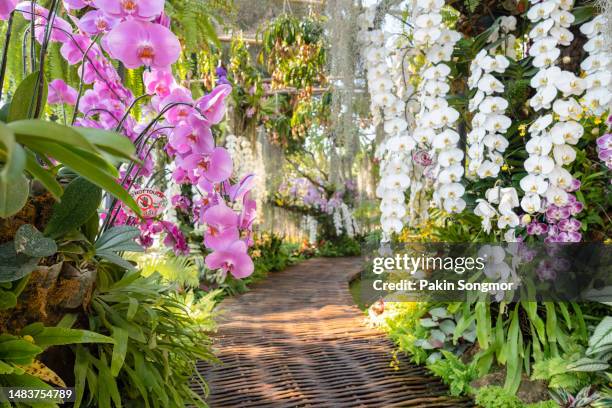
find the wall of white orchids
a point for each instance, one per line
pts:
(447, 134)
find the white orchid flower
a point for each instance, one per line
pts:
(436, 72)
(476, 152)
(599, 79)
(545, 77)
(476, 101)
(451, 174)
(531, 203)
(563, 18)
(595, 26)
(424, 135)
(402, 144)
(556, 196)
(498, 123)
(507, 23)
(454, 206)
(436, 88)
(560, 177)
(543, 98)
(569, 84)
(539, 164)
(397, 181)
(567, 109)
(476, 135)
(508, 220)
(541, 29)
(430, 5)
(541, 124)
(452, 191)
(489, 84)
(508, 198)
(391, 224)
(539, 145)
(541, 11)
(562, 35)
(488, 169)
(496, 142)
(448, 157)
(395, 126)
(446, 139)
(492, 195)
(564, 154)
(566, 132)
(595, 62)
(494, 104)
(597, 100)
(534, 184)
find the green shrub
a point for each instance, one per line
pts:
(496, 397)
(453, 372)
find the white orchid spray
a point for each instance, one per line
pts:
(554, 133)
(487, 140)
(434, 132)
(598, 78)
(384, 70)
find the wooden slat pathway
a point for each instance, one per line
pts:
(297, 340)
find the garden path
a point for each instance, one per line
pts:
(297, 340)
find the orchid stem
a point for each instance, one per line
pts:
(7, 40)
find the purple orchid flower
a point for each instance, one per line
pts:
(131, 9)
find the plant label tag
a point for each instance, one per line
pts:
(151, 202)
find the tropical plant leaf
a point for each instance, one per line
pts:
(13, 195)
(8, 300)
(18, 351)
(110, 142)
(120, 238)
(25, 95)
(14, 266)
(30, 241)
(119, 350)
(57, 336)
(588, 364)
(32, 130)
(41, 371)
(79, 202)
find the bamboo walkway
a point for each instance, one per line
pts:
(297, 340)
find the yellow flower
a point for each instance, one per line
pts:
(597, 121)
(29, 338)
(522, 130)
(504, 167)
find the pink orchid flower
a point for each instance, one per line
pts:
(192, 139)
(233, 259)
(137, 43)
(180, 112)
(95, 22)
(248, 213)
(240, 189)
(60, 92)
(222, 224)
(212, 106)
(131, 9)
(6, 8)
(73, 49)
(159, 82)
(215, 167)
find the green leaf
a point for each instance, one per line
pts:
(28, 131)
(44, 176)
(13, 195)
(588, 364)
(14, 155)
(120, 238)
(81, 367)
(32, 329)
(119, 350)
(79, 202)
(25, 96)
(583, 14)
(90, 172)
(8, 300)
(483, 325)
(32, 242)
(14, 266)
(110, 142)
(514, 364)
(18, 351)
(57, 336)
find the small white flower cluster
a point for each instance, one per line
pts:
(344, 221)
(546, 175)
(436, 118)
(310, 224)
(384, 75)
(507, 200)
(597, 67)
(490, 122)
